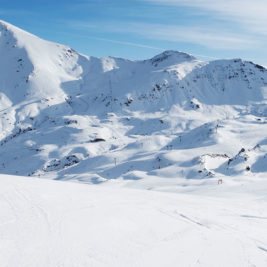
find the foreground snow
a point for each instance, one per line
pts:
(49, 223)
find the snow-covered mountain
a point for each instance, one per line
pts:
(154, 124)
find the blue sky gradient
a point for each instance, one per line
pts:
(139, 29)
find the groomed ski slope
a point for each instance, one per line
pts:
(48, 223)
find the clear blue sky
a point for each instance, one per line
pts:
(138, 29)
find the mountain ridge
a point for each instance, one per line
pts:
(64, 115)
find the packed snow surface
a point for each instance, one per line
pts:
(50, 224)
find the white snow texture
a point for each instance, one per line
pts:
(172, 123)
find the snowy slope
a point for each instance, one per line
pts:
(49, 223)
(165, 121)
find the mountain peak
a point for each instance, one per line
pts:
(3, 23)
(15, 35)
(171, 57)
(7, 26)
